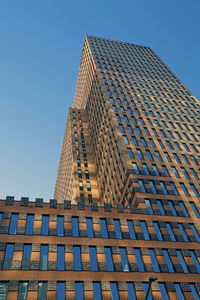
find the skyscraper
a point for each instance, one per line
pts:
(133, 131)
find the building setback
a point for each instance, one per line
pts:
(53, 251)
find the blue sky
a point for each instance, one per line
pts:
(40, 48)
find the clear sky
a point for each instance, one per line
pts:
(40, 49)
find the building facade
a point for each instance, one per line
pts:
(65, 251)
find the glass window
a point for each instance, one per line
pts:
(131, 291)
(167, 157)
(194, 291)
(174, 188)
(60, 225)
(135, 168)
(8, 256)
(145, 168)
(195, 209)
(168, 261)
(109, 261)
(75, 227)
(124, 259)
(171, 206)
(139, 260)
(126, 141)
(149, 155)
(44, 257)
(176, 158)
(184, 235)
(182, 261)
(90, 232)
(195, 192)
(77, 258)
(154, 260)
(104, 231)
(141, 185)
(26, 256)
(171, 233)
(139, 152)
(149, 207)
(145, 285)
(131, 229)
(97, 290)
(79, 290)
(93, 258)
(114, 290)
(179, 292)
(13, 223)
(155, 169)
(60, 257)
(42, 290)
(165, 171)
(3, 290)
(23, 289)
(157, 230)
(152, 186)
(175, 172)
(117, 228)
(61, 290)
(164, 190)
(134, 140)
(45, 224)
(194, 174)
(185, 173)
(29, 224)
(184, 210)
(195, 260)
(161, 208)
(130, 153)
(163, 291)
(158, 155)
(194, 231)
(145, 230)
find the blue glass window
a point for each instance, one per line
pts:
(149, 155)
(79, 290)
(13, 223)
(135, 168)
(149, 207)
(182, 261)
(42, 290)
(195, 260)
(184, 235)
(184, 210)
(164, 190)
(45, 225)
(165, 171)
(163, 291)
(158, 155)
(139, 260)
(194, 291)
(145, 230)
(131, 229)
(114, 291)
(90, 231)
(29, 224)
(175, 172)
(75, 227)
(139, 152)
(194, 174)
(61, 290)
(171, 233)
(195, 232)
(97, 290)
(77, 258)
(155, 169)
(195, 192)
(131, 291)
(117, 229)
(60, 257)
(23, 289)
(154, 260)
(145, 168)
(104, 231)
(168, 261)
(27, 251)
(44, 257)
(145, 285)
(161, 208)
(60, 225)
(142, 187)
(93, 258)
(185, 173)
(130, 153)
(109, 261)
(179, 292)
(1, 217)
(124, 259)
(134, 140)
(171, 206)
(184, 189)
(157, 230)
(195, 209)
(174, 188)
(152, 186)
(9, 251)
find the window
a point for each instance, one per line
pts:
(168, 261)
(131, 291)
(60, 257)
(93, 258)
(165, 171)
(149, 207)
(176, 158)
(135, 168)
(104, 231)
(185, 173)
(61, 290)
(170, 232)
(184, 210)
(79, 290)
(114, 290)
(160, 206)
(155, 169)
(141, 185)
(77, 258)
(145, 285)
(81, 185)
(126, 141)
(185, 159)
(29, 224)
(23, 289)
(130, 153)
(194, 291)
(149, 155)
(154, 260)
(60, 225)
(13, 223)
(157, 230)
(182, 231)
(174, 188)
(195, 192)
(75, 227)
(195, 260)
(194, 231)
(130, 129)
(90, 232)
(117, 229)
(145, 168)
(8, 257)
(134, 140)
(42, 290)
(171, 206)
(158, 155)
(178, 291)
(182, 261)
(152, 186)
(175, 172)
(45, 224)
(26, 256)
(184, 189)
(194, 174)
(109, 261)
(167, 157)
(97, 290)
(139, 260)
(131, 229)
(87, 174)
(124, 259)
(139, 152)
(145, 230)
(163, 291)
(88, 186)
(44, 257)
(195, 209)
